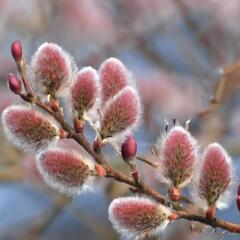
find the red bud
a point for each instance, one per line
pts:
(173, 216)
(211, 213)
(62, 133)
(100, 170)
(129, 148)
(14, 83)
(135, 176)
(239, 190)
(16, 49)
(97, 146)
(54, 104)
(78, 125)
(174, 194)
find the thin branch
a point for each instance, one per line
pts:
(153, 164)
(118, 176)
(231, 227)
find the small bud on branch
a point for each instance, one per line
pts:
(16, 49)
(14, 83)
(129, 148)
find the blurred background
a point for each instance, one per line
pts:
(181, 53)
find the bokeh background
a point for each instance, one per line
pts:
(181, 52)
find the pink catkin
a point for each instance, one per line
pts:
(121, 113)
(178, 155)
(27, 127)
(133, 216)
(84, 90)
(113, 77)
(215, 176)
(64, 170)
(51, 67)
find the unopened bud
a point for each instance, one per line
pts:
(63, 134)
(129, 148)
(135, 176)
(174, 193)
(16, 49)
(96, 146)
(54, 104)
(173, 217)
(78, 125)
(100, 170)
(14, 83)
(211, 213)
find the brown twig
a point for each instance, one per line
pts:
(229, 226)
(153, 164)
(118, 176)
(227, 84)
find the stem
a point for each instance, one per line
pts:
(182, 212)
(231, 227)
(153, 164)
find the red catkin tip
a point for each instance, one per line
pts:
(121, 113)
(14, 83)
(64, 170)
(134, 216)
(129, 148)
(113, 77)
(178, 155)
(16, 49)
